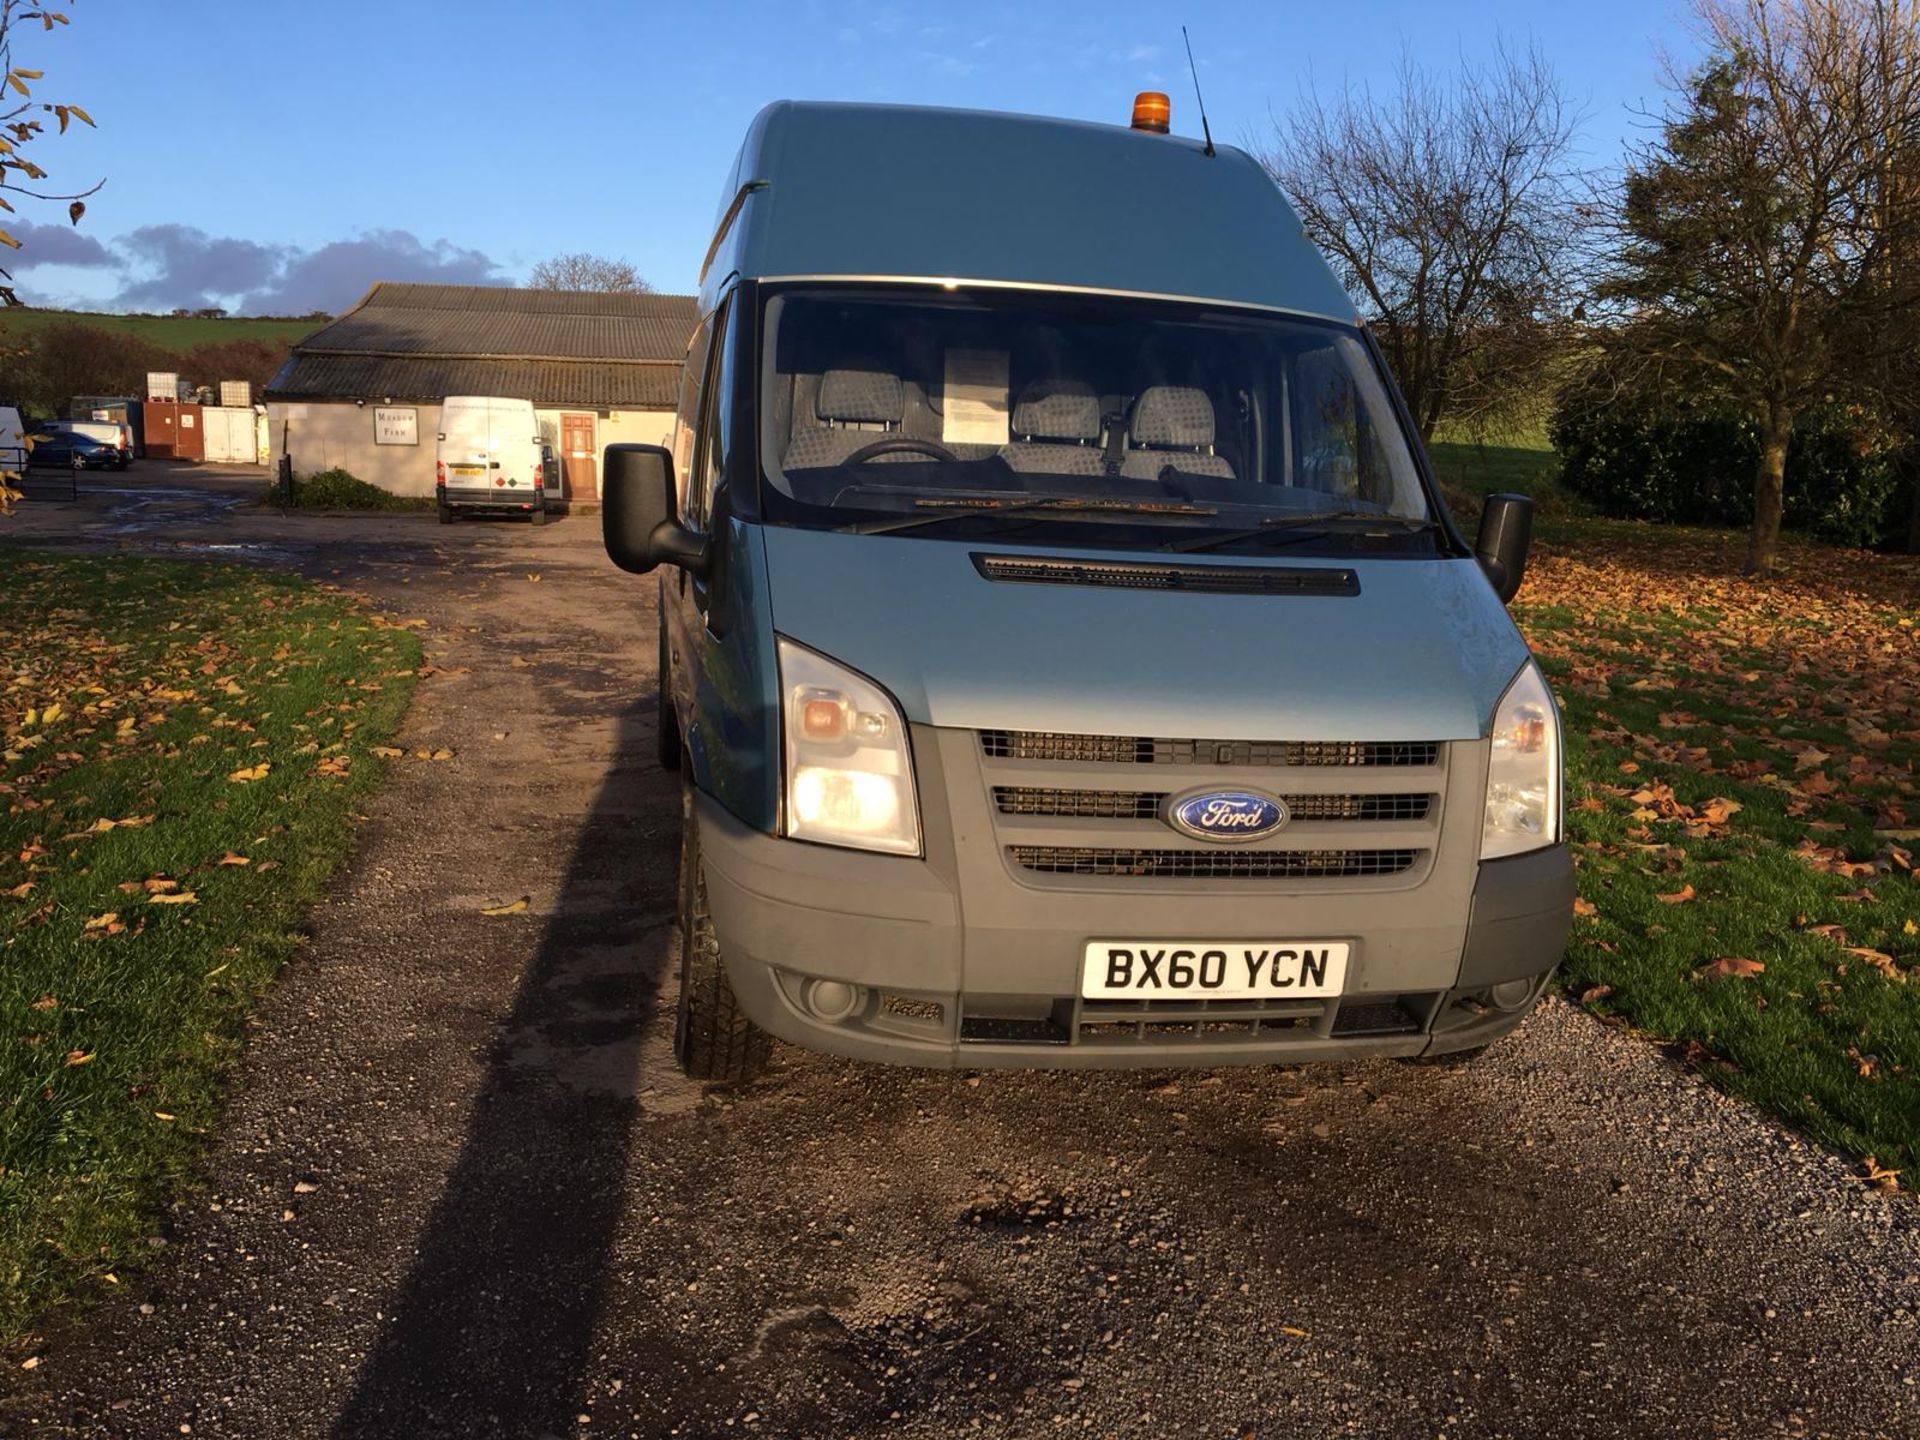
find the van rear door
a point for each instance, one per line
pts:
(467, 449)
(516, 448)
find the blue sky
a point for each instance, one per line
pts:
(283, 154)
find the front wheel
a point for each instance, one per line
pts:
(712, 1037)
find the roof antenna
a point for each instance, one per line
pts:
(1205, 129)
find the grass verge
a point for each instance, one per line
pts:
(1743, 806)
(182, 747)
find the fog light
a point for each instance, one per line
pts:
(834, 1000)
(1511, 995)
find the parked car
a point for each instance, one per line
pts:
(490, 458)
(71, 448)
(1067, 653)
(108, 432)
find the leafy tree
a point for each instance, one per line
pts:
(1451, 210)
(1755, 234)
(578, 270)
(72, 359)
(21, 126)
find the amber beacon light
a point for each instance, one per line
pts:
(1152, 111)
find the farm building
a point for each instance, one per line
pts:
(363, 393)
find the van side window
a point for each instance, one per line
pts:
(693, 374)
(716, 412)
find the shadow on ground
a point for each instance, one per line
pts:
(497, 1314)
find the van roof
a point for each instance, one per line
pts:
(899, 191)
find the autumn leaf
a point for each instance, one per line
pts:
(1880, 961)
(1676, 897)
(388, 752)
(230, 858)
(1595, 992)
(1584, 907)
(101, 922)
(80, 1057)
(251, 773)
(510, 907)
(1878, 1175)
(1730, 966)
(174, 897)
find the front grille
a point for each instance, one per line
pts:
(1175, 1021)
(1147, 750)
(1212, 864)
(1146, 804)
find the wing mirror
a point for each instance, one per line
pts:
(1506, 531)
(640, 513)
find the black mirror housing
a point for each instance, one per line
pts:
(1506, 533)
(640, 512)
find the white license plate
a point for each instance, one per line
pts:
(1212, 969)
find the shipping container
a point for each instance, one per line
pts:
(174, 431)
(228, 434)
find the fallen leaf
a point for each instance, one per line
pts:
(1677, 897)
(1595, 992)
(251, 773)
(1880, 961)
(230, 858)
(101, 922)
(158, 884)
(1878, 1176)
(1731, 965)
(388, 752)
(534, 576)
(1296, 1332)
(1584, 906)
(45, 1002)
(80, 1057)
(511, 907)
(174, 897)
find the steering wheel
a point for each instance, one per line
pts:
(903, 445)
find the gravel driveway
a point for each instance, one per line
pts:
(462, 1191)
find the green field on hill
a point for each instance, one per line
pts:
(179, 333)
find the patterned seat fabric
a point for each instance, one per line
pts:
(853, 409)
(1172, 428)
(1056, 429)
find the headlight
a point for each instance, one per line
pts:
(849, 770)
(1523, 772)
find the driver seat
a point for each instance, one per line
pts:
(852, 408)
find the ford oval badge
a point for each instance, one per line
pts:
(1226, 815)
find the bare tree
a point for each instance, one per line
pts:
(21, 125)
(1758, 234)
(578, 270)
(1450, 209)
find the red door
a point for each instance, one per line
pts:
(576, 453)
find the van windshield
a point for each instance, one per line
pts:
(960, 412)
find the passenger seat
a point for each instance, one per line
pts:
(1172, 426)
(1056, 430)
(853, 408)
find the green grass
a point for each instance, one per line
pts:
(179, 333)
(1469, 471)
(119, 1013)
(1797, 699)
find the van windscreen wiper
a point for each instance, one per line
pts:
(1314, 520)
(952, 508)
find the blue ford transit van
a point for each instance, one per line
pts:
(1064, 646)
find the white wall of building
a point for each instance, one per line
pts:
(323, 434)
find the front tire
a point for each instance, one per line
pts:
(712, 1037)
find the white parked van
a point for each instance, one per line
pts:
(491, 457)
(13, 445)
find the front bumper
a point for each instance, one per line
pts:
(944, 980)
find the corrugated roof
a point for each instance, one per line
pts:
(554, 347)
(649, 385)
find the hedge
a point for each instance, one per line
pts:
(1843, 480)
